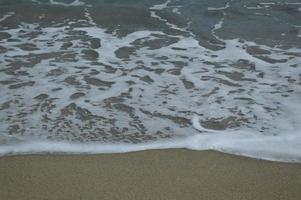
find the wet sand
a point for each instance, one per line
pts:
(156, 174)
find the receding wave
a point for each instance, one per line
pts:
(77, 79)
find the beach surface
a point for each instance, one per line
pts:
(155, 174)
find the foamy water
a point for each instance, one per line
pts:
(76, 78)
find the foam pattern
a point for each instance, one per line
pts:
(75, 86)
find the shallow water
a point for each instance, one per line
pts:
(117, 76)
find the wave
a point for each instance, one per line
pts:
(79, 87)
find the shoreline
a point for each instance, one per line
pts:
(152, 174)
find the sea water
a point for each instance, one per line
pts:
(107, 76)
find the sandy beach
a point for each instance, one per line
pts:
(156, 174)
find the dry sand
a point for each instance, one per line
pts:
(154, 175)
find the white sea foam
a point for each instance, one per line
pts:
(60, 3)
(284, 148)
(219, 8)
(163, 6)
(293, 3)
(232, 84)
(74, 3)
(257, 7)
(6, 16)
(196, 124)
(176, 10)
